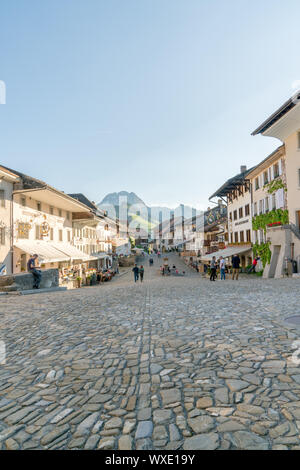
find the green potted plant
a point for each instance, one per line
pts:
(78, 281)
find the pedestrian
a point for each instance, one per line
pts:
(213, 269)
(254, 264)
(37, 274)
(222, 268)
(141, 272)
(235, 267)
(136, 273)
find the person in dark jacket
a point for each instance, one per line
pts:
(213, 269)
(37, 275)
(235, 267)
(136, 272)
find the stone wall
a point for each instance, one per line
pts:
(24, 281)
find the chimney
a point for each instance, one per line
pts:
(243, 168)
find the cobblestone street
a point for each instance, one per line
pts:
(173, 363)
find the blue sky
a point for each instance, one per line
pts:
(158, 97)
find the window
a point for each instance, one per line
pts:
(51, 210)
(247, 210)
(248, 235)
(69, 236)
(261, 206)
(60, 235)
(298, 140)
(266, 204)
(51, 233)
(39, 206)
(255, 209)
(68, 215)
(235, 215)
(242, 236)
(240, 212)
(273, 201)
(23, 230)
(236, 237)
(2, 235)
(2, 198)
(230, 215)
(266, 177)
(38, 232)
(59, 213)
(23, 201)
(299, 176)
(256, 184)
(276, 170)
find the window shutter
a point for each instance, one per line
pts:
(2, 233)
(277, 200)
(280, 167)
(2, 198)
(272, 172)
(270, 203)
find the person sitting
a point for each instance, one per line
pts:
(37, 274)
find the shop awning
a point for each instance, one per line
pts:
(72, 252)
(227, 253)
(47, 252)
(100, 255)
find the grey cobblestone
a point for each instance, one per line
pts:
(174, 363)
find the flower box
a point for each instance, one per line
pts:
(274, 224)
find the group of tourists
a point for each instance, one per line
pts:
(138, 273)
(221, 265)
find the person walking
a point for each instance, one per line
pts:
(37, 274)
(141, 272)
(213, 269)
(254, 264)
(222, 268)
(136, 272)
(235, 267)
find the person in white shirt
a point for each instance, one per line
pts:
(222, 268)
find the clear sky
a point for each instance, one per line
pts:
(158, 97)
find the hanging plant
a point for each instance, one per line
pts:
(263, 251)
(275, 185)
(260, 222)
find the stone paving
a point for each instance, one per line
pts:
(173, 363)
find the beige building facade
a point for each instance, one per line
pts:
(284, 125)
(7, 181)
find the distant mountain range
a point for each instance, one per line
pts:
(125, 203)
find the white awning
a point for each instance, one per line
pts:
(227, 253)
(100, 255)
(47, 252)
(72, 252)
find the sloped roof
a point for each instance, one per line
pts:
(232, 183)
(284, 109)
(82, 198)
